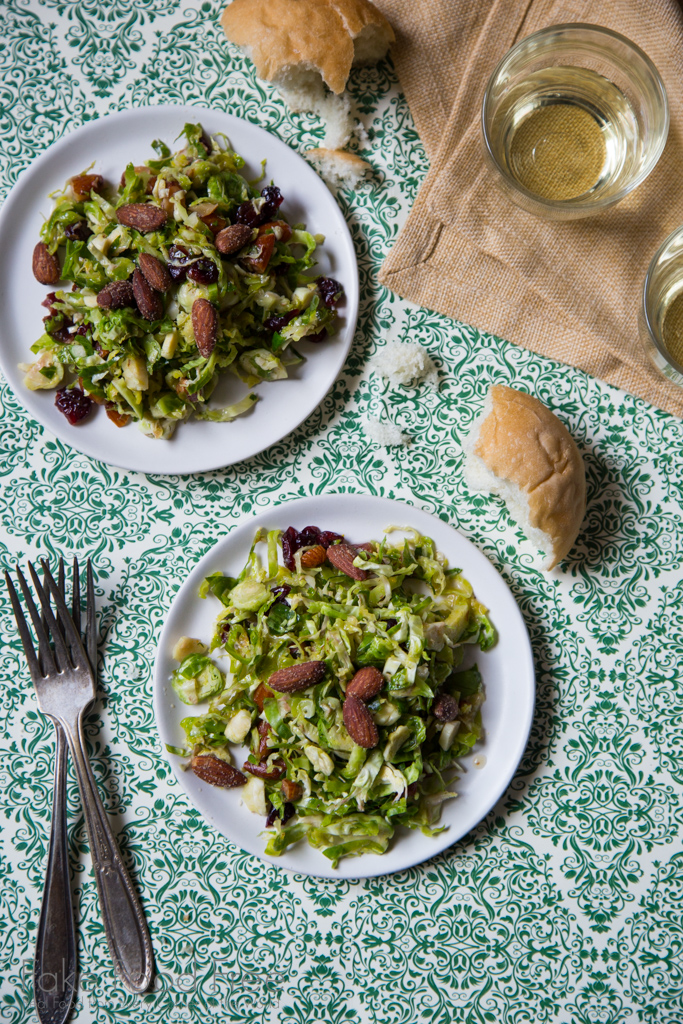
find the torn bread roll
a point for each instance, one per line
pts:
(292, 40)
(306, 47)
(519, 450)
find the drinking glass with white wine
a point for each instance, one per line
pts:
(574, 118)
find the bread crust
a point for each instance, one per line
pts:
(359, 14)
(522, 441)
(342, 157)
(315, 34)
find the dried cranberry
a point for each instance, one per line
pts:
(102, 351)
(78, 231)
(48, 301)
(327, 538)
(83, 329)
(178, 260)
(317, 338)
(280, 594)
(288, 811)
(309, 536)
(74, 403)
(246, 214)
(273, 199)
(276, 323)
(330, 291)
(290, 544)
(62, 335)
(203, 271)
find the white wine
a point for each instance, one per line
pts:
(566, 132)
(670, 325)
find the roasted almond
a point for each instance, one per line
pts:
(259, 256)
(264, 733)
(445, 708)
(84, 184)
(279, 228)
(148, 301)
(116, 295)
(341, 556)
(366, 684)
(269, 773)
(359, 723)
(232, 239)
(142, 216)
(311, 558)
(155, 272)
(291, 791)
(216, 771)
(261, 694)
(297, 677)
(214, 222)
(118, 418)
(205, 326)
(45, 266)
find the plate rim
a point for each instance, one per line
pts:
(159, 681)
(339, 356)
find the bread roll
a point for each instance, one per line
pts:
(290, 39)
(519, 450)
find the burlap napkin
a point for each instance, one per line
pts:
(570, 291)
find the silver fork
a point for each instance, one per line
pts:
(56, 956)
(64, 682)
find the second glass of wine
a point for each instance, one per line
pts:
(574, 118)
(661, 314)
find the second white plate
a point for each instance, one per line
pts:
(112, 142)
(507, 670)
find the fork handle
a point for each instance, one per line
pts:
(55, 963)
(124, 921)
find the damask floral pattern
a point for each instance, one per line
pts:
(562, 906)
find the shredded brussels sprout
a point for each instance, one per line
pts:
(410, 618)
(140, 358)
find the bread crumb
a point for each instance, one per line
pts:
(386, 434)
(339, 168)
(407, 363)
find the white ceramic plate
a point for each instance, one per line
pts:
(111, 142)
(507, 671)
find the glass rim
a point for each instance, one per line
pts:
(572, 204)
(659, 345)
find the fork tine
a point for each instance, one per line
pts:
(61, 653)
(22, 626)
(75, 596)
(41, 648)
(65, 620)
(41, 632)
(91, 622)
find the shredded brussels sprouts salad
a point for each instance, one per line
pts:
(403, 624)
(130, 332)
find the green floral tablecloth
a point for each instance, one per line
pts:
(565, 903)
